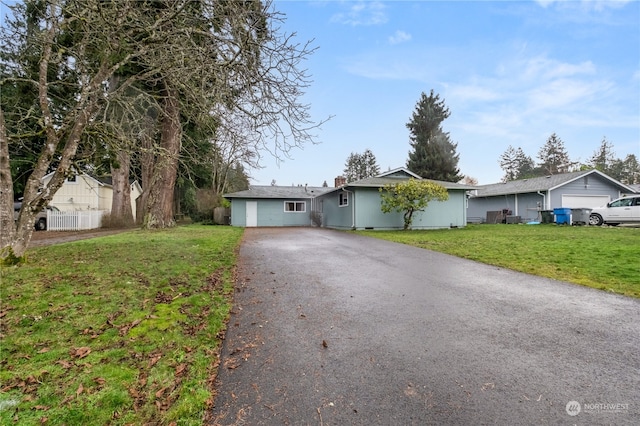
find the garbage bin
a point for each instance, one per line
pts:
(563, 216)
(580, 216)
(546, 216)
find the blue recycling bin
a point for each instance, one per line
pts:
(563, 216)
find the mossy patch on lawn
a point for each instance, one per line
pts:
(123, 329)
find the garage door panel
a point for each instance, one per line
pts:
(584, 201)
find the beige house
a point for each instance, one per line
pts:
(84, 192)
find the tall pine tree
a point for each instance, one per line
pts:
(553, 156)
(433, 155)
(516, 165)
(361, 166)
(604, 157)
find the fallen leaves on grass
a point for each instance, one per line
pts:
(154, 359)
(180, 369)
(125, 328)
(64, 364)
(80, 352)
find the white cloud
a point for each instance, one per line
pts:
(595, 5)
(399, 37)
(545, 3)
(541, 67)
(362, 13)
(563, 95)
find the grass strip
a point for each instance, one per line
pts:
(123, 329)
(605, 258)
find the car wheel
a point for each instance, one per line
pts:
(41, 224)
(595, 220)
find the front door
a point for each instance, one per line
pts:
(252, 214)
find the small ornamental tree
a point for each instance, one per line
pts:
(410, 196)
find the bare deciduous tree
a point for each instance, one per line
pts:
(196, 59)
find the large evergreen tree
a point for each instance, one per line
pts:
(433, 154)
(626, 171)
(553, 156)
(516, 164)
(360, 166)
(604, 157)
(508, 164)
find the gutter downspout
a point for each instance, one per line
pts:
(353, 208)
(544, 200)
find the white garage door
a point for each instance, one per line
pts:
(584, 201)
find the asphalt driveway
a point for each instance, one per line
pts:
(331, 328)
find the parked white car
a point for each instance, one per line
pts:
(622, 210)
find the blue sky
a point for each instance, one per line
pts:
(511, 72)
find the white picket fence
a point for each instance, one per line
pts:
(74, 221)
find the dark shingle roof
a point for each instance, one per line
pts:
(268, 191)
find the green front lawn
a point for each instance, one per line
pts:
(117, 330)
(126, 329)
(606, 258)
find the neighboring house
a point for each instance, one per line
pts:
(356, 205)
(274, 205)
(85, 192)
(526, 198)
(353, 205)
(635, 187)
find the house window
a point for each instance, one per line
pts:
(295, 206)
(344, 199)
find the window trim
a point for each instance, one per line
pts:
(295, 206)
(345, 196)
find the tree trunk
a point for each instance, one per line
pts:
(121, 213)
(159, 212)
(147, 160)
(7, 225)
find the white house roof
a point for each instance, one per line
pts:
(268, 191)
(545, 183)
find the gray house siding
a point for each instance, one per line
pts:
(527, 196)
(270, 212)
(262, 205)
(368, 214)
(238, 212)
(524, 205)
(443, 214)
(591, 185)
(334, 215)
